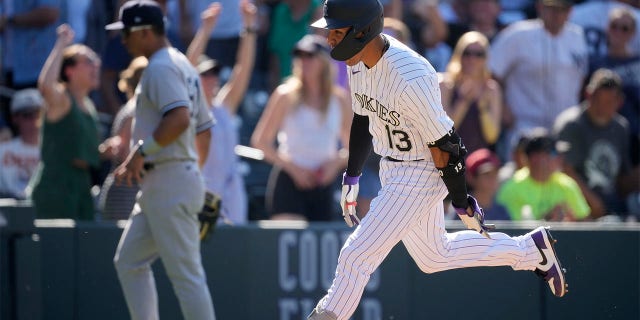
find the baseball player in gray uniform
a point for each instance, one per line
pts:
(398, 113)
(171, 129)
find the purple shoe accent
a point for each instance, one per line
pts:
(549, 268)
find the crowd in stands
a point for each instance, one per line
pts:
(544, 93)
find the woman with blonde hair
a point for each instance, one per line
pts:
(469, 95)
(69, 148)
(117, 200)
(309, 117)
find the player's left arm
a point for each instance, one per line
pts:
(446, 148)
(448, 156)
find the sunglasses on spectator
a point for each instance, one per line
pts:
(620, 27)
(127, 31)
(474, 53)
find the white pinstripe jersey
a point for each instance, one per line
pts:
(401, 97)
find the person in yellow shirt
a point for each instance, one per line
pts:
(540, 191)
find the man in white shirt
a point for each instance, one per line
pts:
(541, 64)
(19, 156)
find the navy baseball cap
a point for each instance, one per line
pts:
(136, 13)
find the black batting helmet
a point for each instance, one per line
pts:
(363, 16)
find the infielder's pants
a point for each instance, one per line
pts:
(164, 224)
(409, 208)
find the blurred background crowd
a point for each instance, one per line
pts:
(545, 94)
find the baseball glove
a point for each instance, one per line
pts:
(209, 215)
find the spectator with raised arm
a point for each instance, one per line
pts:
(69, 149)
(220, 171)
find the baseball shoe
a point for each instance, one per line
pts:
(549, 268)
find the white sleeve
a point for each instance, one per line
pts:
(423, 98)
(501, 55)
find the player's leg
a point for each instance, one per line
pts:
(174, 223)
(134, 256)
(381, 229)
(361, 254)
(433, 249)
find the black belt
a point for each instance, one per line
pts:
(396, 160)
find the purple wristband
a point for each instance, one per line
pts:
(349, 180)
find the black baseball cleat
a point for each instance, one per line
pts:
(549, 268)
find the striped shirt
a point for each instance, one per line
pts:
(401, 97)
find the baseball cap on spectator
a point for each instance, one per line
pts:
(26, 100)
(205, 64)
(604, 78)
(481, 161)
(521, 143)
(311, 44)
(558, 3)
(137, 13)
(540, 140)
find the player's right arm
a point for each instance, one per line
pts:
(360, 145)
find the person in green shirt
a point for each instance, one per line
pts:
(61, 185)
(539, 191)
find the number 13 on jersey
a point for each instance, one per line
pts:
(398, 139)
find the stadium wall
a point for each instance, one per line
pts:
(57, 269)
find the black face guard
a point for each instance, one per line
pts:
(351, 45)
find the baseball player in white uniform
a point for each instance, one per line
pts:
(398, 112)
(172, 125)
